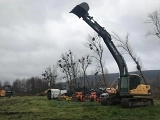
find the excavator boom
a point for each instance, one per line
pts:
(82, 11)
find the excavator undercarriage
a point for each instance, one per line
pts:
(136, 102)
(127, 102)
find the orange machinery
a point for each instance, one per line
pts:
(78, 96)
(93, 97)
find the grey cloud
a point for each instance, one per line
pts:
(33, 34)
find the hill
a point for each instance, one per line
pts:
(150, 76)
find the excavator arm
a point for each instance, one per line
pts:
(81, 10)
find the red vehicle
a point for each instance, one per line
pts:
(78, 96)
(93, 97)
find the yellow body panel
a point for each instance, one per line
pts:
(111, 90)
(2, 93)
(63, 97)
(141, 89)
(68, 98)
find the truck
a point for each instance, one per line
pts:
(131, 92)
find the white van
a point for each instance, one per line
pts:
(54, 93)
(63, 91)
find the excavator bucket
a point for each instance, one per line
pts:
(80, 10)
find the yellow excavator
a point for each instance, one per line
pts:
(6, 91)
(130, 92)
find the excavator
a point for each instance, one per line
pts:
(130, 92)
(6, 91)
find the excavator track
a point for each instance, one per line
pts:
(136, 102)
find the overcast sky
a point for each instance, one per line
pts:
(34, 33)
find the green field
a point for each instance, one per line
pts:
(39, 108)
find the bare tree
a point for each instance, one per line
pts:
(124, 44)
(94, 43)
(6, 83)
(19, 86)
(29, 86)
(16, 85)
(69, 66)
(84, 63)
(154, 19)
(50, 76)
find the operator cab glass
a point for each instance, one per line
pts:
(7, 87)
(124, 84)
(134, 81)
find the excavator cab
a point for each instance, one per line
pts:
(127, 83)
(131, 85)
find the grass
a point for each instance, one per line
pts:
(39, 108)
